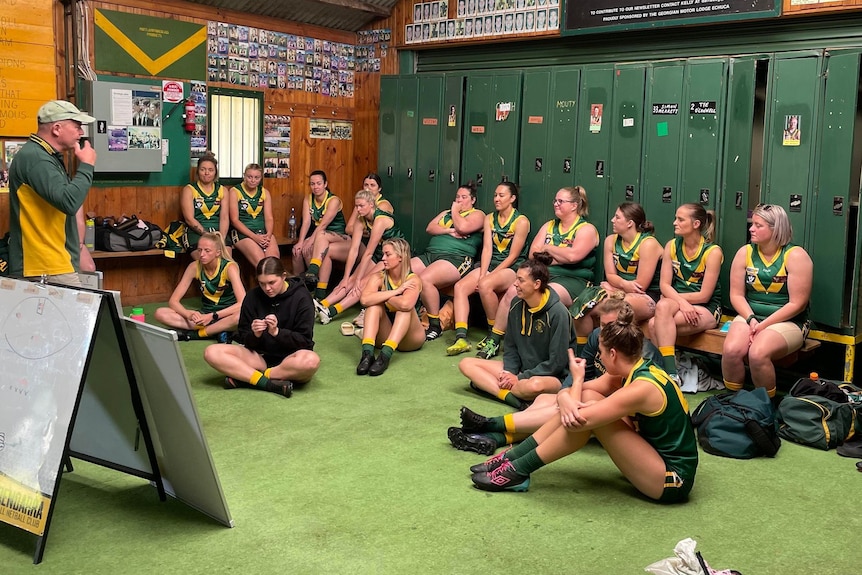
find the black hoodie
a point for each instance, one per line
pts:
(295, 312)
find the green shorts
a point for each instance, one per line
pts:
(574, 286)
(464, 264)
(676, 487)
(235, 236)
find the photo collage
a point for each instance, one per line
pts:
(480, 19)
(372, 45)
(8, 149)
(276, 146)
(198, 95)
(259, 58)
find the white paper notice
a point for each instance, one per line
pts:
(165, 143)
(121, 107)
(628, 122)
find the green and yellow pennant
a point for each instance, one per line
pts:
(145, 45)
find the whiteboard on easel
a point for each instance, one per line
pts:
(46, 333)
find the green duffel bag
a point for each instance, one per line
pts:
(816, 421)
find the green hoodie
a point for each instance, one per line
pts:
(537, 339)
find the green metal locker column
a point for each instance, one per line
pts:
(736, 162)
(559, 169)
(831, 233)
(493, 130)
(536, 119)
(401, 193)
(626, 125)
(387, 145)
(704, 116)
(591, 163)
(430, 127)
(450, 147)
(661, 157)
(794, 93)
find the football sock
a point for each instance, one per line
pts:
(528, 463)
(731, 386)
(388, 348)
(460, 330)
(523, 448)
(314, 266)
(668, 354)
(258, 379)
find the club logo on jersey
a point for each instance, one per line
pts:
(751, 275)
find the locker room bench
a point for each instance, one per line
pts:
(712, 341)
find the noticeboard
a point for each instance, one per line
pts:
(592, 16)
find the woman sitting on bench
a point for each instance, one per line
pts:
(632, 257)
(770, 285)
(690, 295)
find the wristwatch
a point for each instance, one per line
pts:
(215, 316)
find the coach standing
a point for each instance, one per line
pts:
(44, 198)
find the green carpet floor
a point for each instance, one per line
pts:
(355, 475)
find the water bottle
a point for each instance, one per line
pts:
(90, 234)
(291, 224)
(138, 314)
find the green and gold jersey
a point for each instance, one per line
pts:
(318, 211)
(555, 235)
(388, 284)
(502, 235)
(766, 282)
(216, 290)
(393, 232)
(251, 208)
(688, 272)
(445, 244)
(627, 260)
(207, 206)
(669, 429)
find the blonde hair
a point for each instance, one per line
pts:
(578, 195)
(401, 249)
(777, 220)
(215, 237)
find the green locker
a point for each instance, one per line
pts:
(536, 120)
(492, 132)
(564, 122)
(626, 126)
(794, 92)
(430, 135)
(449, 177)
(476, 151)
(387, 145)
(831, 244)
(705, 85)
(661, 157)
(736, 161)
(593, 143)
(402, 191)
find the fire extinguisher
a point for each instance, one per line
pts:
(189, 114)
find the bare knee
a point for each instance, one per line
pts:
(664, 309)
(307, 360)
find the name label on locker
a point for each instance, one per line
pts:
(477, 129)
(665, 109)
(429, 121)
(703, 108)
(535, 119)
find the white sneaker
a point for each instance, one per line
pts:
(360, 319)
(318, 307)
(323, 315)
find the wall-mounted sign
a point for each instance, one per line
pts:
(703, 108)
(665, 109)
(591, 16)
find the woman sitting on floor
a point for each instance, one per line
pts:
(276, 330)
(222, 293)
(391, 316)
(455, 240)
(690, 294)
(631, 257)
(251, 217)
(644, 427)
(534, 355)
(770, 285)
(504, 247)
(485, 434)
